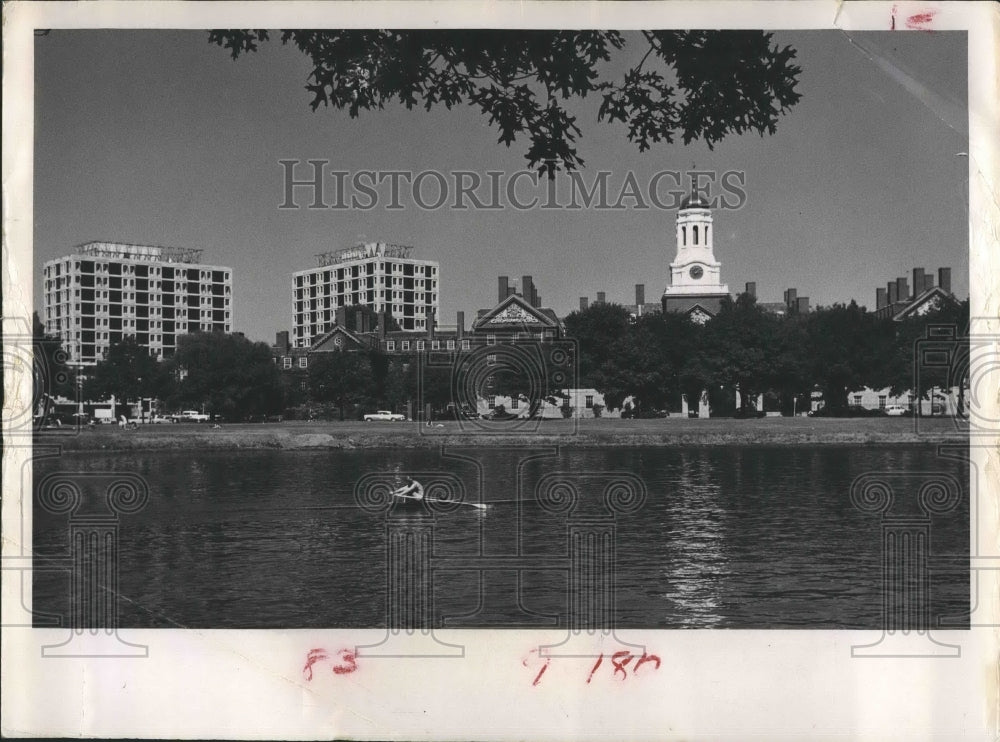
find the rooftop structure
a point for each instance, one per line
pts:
(362, 251)
(127, 251)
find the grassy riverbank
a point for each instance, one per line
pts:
(604, 432)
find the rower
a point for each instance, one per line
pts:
(412, 489)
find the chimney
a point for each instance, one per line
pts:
(341, 316)
(460, 323)
(583, 303)
(918, 281)
(640, 294)
(538, 299)
(944, 279)
(928, 281)
(511, 290)
(528, 290)
(902, 290)
(502, 292)
(429, 315)
(359, 321)
(281, 340)
(790, 295)
(381, 324)
(752, 289)
(892, 287)
(802, 305)
(880, 298)
(600, 297)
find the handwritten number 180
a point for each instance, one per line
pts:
(619, 662)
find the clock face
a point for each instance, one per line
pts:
(696, 272)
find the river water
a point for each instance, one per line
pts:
(728, 537)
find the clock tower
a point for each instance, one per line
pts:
(696, 286)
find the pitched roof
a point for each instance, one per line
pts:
(929, 299)
(515, 311)
(328, 338)
(698, 309)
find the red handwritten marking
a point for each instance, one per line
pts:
(619, 663)
(541, 672)
(314, 656)
(348, 662)
(349, 665)
(594, 668)
(918, 21)
(616, 660)
(646, 658)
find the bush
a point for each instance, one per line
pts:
(598, 409)
(648, 413)
(566, 410)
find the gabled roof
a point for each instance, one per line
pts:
(698, 309)
(514, 311)
(327, 342)
(930, 299)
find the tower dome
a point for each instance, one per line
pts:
(694, 200)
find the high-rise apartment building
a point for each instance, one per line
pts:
(377, 275)
(104, 292)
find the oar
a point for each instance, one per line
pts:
(477, 505)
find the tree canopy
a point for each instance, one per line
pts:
(698, 85)
(836, 350)
(128, 372)
(229, 374)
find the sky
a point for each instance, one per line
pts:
(158, 137)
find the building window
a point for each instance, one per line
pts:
(420, 345)
(589, 401)
(303, 362)
(465, 345)
(491, 339)
(857, 400)
(450, 344)
(435, 345)
(514, 401)
(406, 345)
(286, 362)
(491, 401)
(881, 401)
(390, 345)
(491, 359)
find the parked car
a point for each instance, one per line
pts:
(191, 416)
(160, 420)
(894, 410)
(384, 416)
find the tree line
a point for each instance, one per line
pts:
(837, 350)
(650, 361)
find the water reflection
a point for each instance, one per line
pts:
(744, 537)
